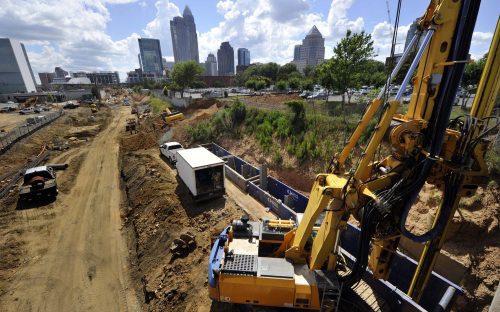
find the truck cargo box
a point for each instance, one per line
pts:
(202, 172)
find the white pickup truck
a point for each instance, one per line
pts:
(169, 150)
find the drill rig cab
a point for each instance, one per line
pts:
(298, 263)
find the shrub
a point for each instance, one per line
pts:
(299, 118)
(282, 85)
(237, 112)
(264, 135)
(277, 158)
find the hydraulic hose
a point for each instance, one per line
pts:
(439, 121)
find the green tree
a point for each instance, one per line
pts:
(307, 84)
(470, 78)
(287, 71)
(281, 85)
(326, 76)
(309, 71)
(349, 57)
(374, 73)
(294, 83)
(260, 84)
(250, 84)
(185, 73)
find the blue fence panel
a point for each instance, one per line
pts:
(279, 189)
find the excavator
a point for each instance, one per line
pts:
(170, 116)
(30, 102)
(284, 263)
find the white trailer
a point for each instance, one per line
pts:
(202, 172)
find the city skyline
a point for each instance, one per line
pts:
(116, 27)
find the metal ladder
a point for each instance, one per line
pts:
(330, 299)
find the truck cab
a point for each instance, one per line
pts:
(169, 150)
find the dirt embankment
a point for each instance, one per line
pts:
(472, 240)
(160, 209)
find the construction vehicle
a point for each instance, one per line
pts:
(30, 102)
(40, 182)
(93, 108)
(300, 263)
(170, 116)
(131, 125)
(202, 172)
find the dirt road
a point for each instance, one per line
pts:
(84, 266)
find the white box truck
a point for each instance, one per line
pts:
(202, 172)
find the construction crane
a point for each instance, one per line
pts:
(298, 263)
(388, 12)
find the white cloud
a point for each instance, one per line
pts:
(382, 39)
(68, 33)
(159, 27)
(271, 28)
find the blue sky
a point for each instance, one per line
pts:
(102, 34)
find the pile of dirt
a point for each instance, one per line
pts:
(159, 211)
(203, 103)
(149, 130)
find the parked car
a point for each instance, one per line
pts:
(70, 105)
(169, 150)
(7, 109)
(305, 94)
(27, 110)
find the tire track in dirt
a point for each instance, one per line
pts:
(85, 267)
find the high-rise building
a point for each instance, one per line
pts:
(150, 56)
(225, 55)
(60, 73)
(296, 52)
(312, 50)
(15, 69)
(184, 37)
(243, 57)
(411, 32)
(211, 66)
(46, 79)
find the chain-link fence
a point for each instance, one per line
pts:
(32, 124)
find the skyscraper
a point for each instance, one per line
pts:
(46, 79)
(150, 56)
(243, 57)
(184, 37)
(60, 73)
(296, 52)
(15, 69)
(211, 65)
(312, 50)
(225, 55)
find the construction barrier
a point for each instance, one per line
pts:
(21, 132)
